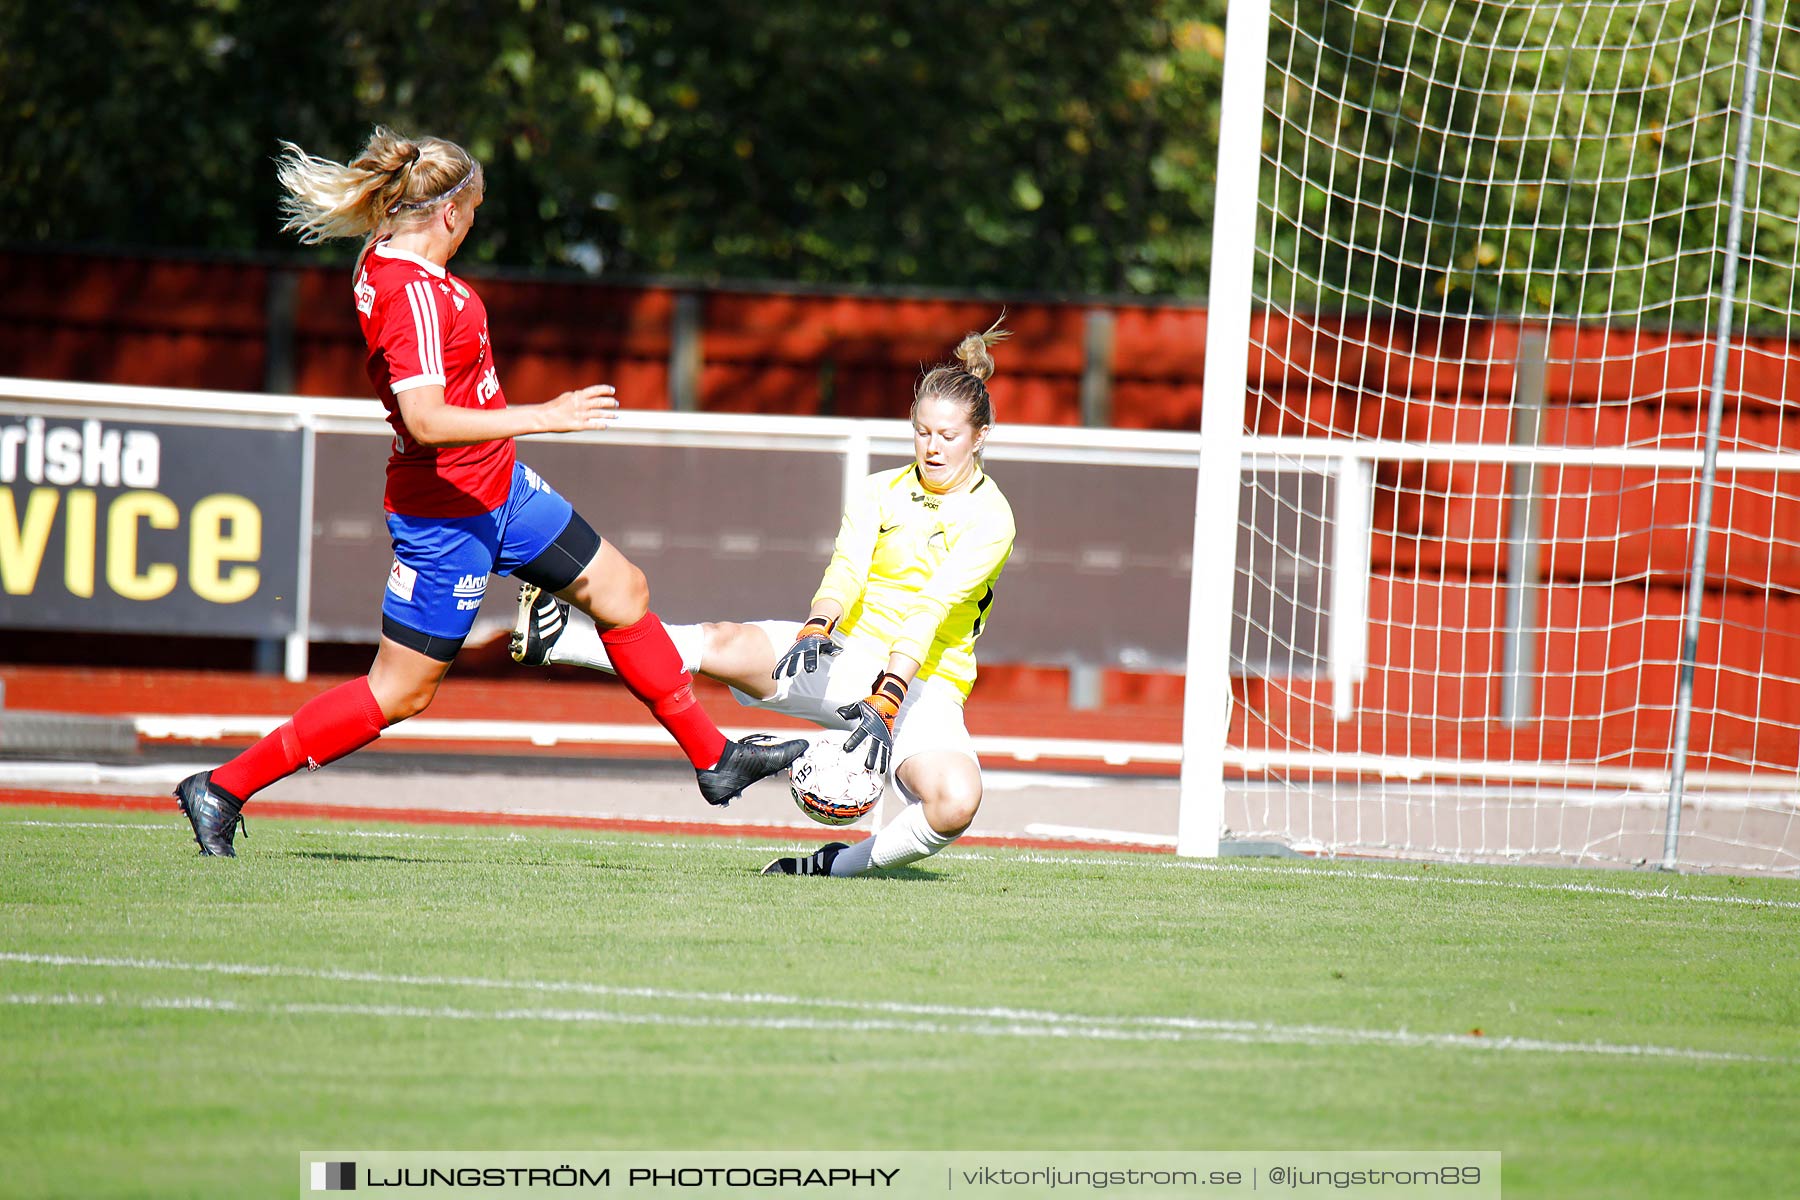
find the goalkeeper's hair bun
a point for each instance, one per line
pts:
(972, 351)
(965, 380)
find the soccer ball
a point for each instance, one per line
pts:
(831, 787)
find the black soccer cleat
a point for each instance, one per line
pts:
(214, 813)
(743, 763)
(816, 863)
(541, 619)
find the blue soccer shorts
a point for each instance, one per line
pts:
(441, 564)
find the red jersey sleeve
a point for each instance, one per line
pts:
(413, 322)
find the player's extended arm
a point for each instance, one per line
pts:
(431, 422)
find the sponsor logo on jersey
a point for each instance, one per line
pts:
(489, 387)
(930, 502)
(401, 579)
(365, 294)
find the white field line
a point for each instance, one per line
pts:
(1296, 871)
(938, 1019)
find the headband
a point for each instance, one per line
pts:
(428, 202)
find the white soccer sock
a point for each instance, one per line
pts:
(579, 645)
(906, 839)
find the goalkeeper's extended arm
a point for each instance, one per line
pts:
(874, 720)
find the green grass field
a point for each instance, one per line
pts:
(179, 1026)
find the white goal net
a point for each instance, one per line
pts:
(1508, 257)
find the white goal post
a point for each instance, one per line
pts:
(1523, 272)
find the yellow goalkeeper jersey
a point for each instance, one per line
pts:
(915, 570)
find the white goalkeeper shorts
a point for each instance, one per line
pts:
(930, 719)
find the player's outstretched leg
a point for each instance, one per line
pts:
(547, 631)
(649, 665)
(816, 863)
(616, 596)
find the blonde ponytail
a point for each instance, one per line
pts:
(972, 351)
(394, 182)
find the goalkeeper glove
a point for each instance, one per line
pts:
(814, 639)
(874, 720)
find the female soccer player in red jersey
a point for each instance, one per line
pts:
(460, 507)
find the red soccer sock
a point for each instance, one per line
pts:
(326, 728)
(649, 664)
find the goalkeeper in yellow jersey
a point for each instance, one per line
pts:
(888, 650)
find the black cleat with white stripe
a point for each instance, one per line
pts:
(816, 863)
(214, 813)
(541, 619)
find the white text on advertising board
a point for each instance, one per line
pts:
(63, 465)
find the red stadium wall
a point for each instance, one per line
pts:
(134, 321)
(1438, 556)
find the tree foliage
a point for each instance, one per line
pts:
(1436, 154)
(970, 143)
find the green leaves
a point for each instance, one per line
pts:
(986, 143)
(1483, 157)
